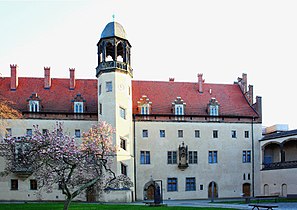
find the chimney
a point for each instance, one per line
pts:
(258, 106)
(244, 78)
(14, 77)
(47, 78)
(200, 81)
(251, 94)
(72, 78)
(171, 79)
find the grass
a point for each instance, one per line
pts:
(86, 206)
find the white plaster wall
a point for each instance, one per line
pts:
(227, 173)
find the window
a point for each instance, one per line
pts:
(249, 176)
(145, 157)
(33, 106)
(215, 134)
(162, 133)
(180, 133)
(108, 86)
(246, 156)
(213, 110)
(171, 157)
(45, 132)
(193, 157)
(212, 157)
(179, 109)
(29, 132)
(78, 107)
(100, 108)
(123, 169)
(123, 113)
(201, 187)
(191, 184)
(145, 109)
(197, 133)
(246, 134)
(243, 176)
(233, 134)
(33, 184)
(77, 133)
(8, 132)
(144, 133)
(123, 143)
(14, 184)
(100, 89)
(171, 184)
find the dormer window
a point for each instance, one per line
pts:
(144, 105)
(78, 104)
(78, 107)
(213, 107)
(34, 103)
(178, 106)
(34, 106)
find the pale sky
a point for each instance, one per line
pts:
(220, 38)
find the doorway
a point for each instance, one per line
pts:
(214, 186)
(246, 189)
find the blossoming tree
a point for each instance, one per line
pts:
(57, 159)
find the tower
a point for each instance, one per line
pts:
(114, 75)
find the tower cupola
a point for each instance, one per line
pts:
(114, 50)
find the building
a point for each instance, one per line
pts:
(278, 161)
(193, 140)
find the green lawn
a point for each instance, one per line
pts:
(85, 206)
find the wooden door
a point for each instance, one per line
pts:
(215, 190)
(246, 189)
(150, 192)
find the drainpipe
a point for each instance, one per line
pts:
(253, 160)
(134, 151)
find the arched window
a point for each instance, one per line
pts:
(78, 107)
(33, 106)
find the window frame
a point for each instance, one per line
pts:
(193, 157)
(33, 184)
(171, 157)
(123, 143)
(145, 133)
(197, 134)
(123, 113)
(213, 157)
(108, 86)
(14, 184)
(162, 133)
(78, 107)
(145, 158)
(215, 134)
(180, 133)
(233, 134)
(76, 132)
(190, 184)
(172, 184)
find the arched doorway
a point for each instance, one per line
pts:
(91, 194)
(266, 189)
(284, 190)
(214, 193)
(149, 190)
(246, 189)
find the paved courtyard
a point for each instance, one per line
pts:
(207, 203)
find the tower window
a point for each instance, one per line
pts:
(123, 144)
(123, 113)
(123, 169)
(108, 86)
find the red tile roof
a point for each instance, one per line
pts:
(56, 99)
(162, 95)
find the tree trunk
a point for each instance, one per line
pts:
(67, 203)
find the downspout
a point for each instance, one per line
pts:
(253, 160)
(134, 154)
